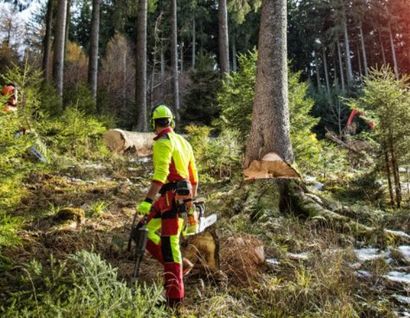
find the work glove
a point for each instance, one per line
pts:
(144, 207)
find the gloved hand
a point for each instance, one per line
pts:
(144, 207)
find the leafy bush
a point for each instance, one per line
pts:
(14, 164)
(80, 97)
(89, 289)
(236, 100)
(76, 134)
(215, 156)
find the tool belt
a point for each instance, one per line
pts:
(182, 195)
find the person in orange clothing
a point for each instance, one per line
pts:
(176, 180)
(10, 91)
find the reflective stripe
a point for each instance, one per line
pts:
(153, 227)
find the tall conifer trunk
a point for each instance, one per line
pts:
(365, 64)
(270, 117)
(48, 40)
(223, 37)
(141, 66)
(60, 36)
(339, 55)
(349, 69)
(93, 55)
(174, 58)
(393, 52)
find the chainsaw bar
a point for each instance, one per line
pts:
(206, 222)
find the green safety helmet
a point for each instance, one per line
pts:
(162, 112)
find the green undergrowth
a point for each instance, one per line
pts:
(82, 286)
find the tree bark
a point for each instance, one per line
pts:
(193, 43)
(174, 58)
(393, 52)
(93, 55)
(141, 67)
(58, 67)
(326, 73)
(270, 131)
(382, 48)
(396, 173)
(342, 78)
(388, 174)
(181, 56)
(234, 53)
(347, 49)
(48, 40)
(67, 27)
(365, 64)
(318, 80)
(162, 66)
(223, 37)
(359, 62)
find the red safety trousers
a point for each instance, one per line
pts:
(164, 230)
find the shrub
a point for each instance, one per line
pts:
(76, 134)
(89, 289)
(215, 156)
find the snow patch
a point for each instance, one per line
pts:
(402, 299)
(404, 250)
(370, 254)
(398, 277)
(398, 233)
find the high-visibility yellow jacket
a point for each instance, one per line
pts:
(173, 158)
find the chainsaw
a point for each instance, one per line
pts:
(139, 234)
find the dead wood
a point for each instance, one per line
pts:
(121, 141)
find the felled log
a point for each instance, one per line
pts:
(272, 166)
(122, 141)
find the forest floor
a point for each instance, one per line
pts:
(310, 269)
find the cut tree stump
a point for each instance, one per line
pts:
(271, 166)
(122, 141)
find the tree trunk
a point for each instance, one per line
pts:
(93, 55)
(181, 56)
(174, 59)
(359, 62)
(366, 67)
(124, 81)
(270, 116)
(396, 173)
(326, 73)
(342, 79)
(162, 66)
(347, 49)
(382, 48)
(223, 37)
(393, 51)
(67, 27)
(141, 67)
(388, 174)
(234, 62)
(193, 43)
(47, 43)
(318, 80)
(58, 67)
